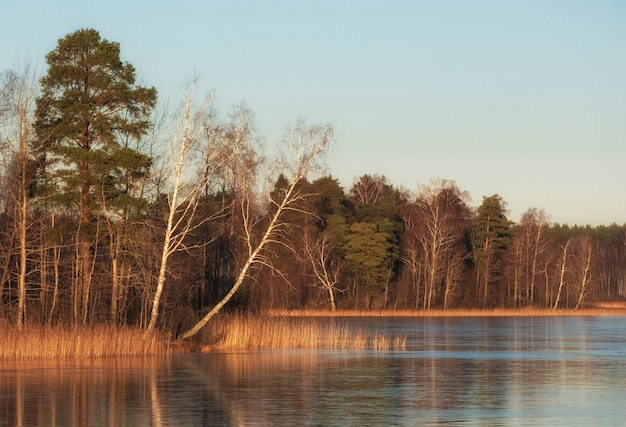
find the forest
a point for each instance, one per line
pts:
(112, 211)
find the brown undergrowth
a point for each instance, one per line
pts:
(253, 332)
(37, 341)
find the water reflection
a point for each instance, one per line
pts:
(474, 371)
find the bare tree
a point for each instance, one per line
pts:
(18, 98)
(368, 189)
(185, 188)
(582, 267)
(305, 146)
(532, 241)
(325, 270)
(443, 221)
(410, 253)
(562, 270)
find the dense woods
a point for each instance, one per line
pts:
(114, 212)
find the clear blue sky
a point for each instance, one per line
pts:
(526, 99)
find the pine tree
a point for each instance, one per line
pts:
(491, 237)
(90, 104)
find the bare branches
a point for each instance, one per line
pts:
(436, 230)
(368, 189)
(189, 131)
(325, 270)
(18, 95)
(306, 147)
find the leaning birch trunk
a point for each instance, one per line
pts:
(562, 279)
(309, 143)
(585, 273)
(253, 257)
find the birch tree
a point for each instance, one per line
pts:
(326, 270)
(303, 150)
(533, 241)
(582, 256)
(322, 241)
(562, 271)
(443, 223)
(184, 187)
(410, 251)
(18, 98)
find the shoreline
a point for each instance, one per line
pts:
(601, 309)
(237, 331)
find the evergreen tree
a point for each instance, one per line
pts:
(329, 210)
(326, 249)
(374, 214)
(369, 254)
(491, 237)
(90, 105)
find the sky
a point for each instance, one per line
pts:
(526, 99)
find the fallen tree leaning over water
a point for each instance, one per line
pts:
(302, 156)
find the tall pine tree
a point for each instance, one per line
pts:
(90, 104)
(491, 237)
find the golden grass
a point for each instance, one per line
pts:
(303, 329)
(36, 341)
(599, 310)
(249, 332)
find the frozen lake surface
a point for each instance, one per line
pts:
(487, 371)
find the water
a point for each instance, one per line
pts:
(455, 371)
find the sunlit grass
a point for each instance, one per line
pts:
(301, 329)
(250, 332)
(600, 310)
(37, 341)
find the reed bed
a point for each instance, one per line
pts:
(599, 310)
(252, 332)
(36, 341)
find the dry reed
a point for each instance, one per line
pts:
(599, 310)
(37, 341)
(248, 332)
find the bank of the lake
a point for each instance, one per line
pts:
(297, 329)
(34, 341)
(599, 309)
(469, 371)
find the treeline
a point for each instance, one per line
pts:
(377, 247)
(113, 213)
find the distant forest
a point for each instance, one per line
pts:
(114, 212)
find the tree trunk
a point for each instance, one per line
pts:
(252, 258)
(21, 310)
(115, 286)
(486, 278)
(562, 277)
(331, 295)
(585, 274)
(56, 253)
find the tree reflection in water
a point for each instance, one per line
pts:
(559, 371)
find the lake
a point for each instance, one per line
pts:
(487, 371)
